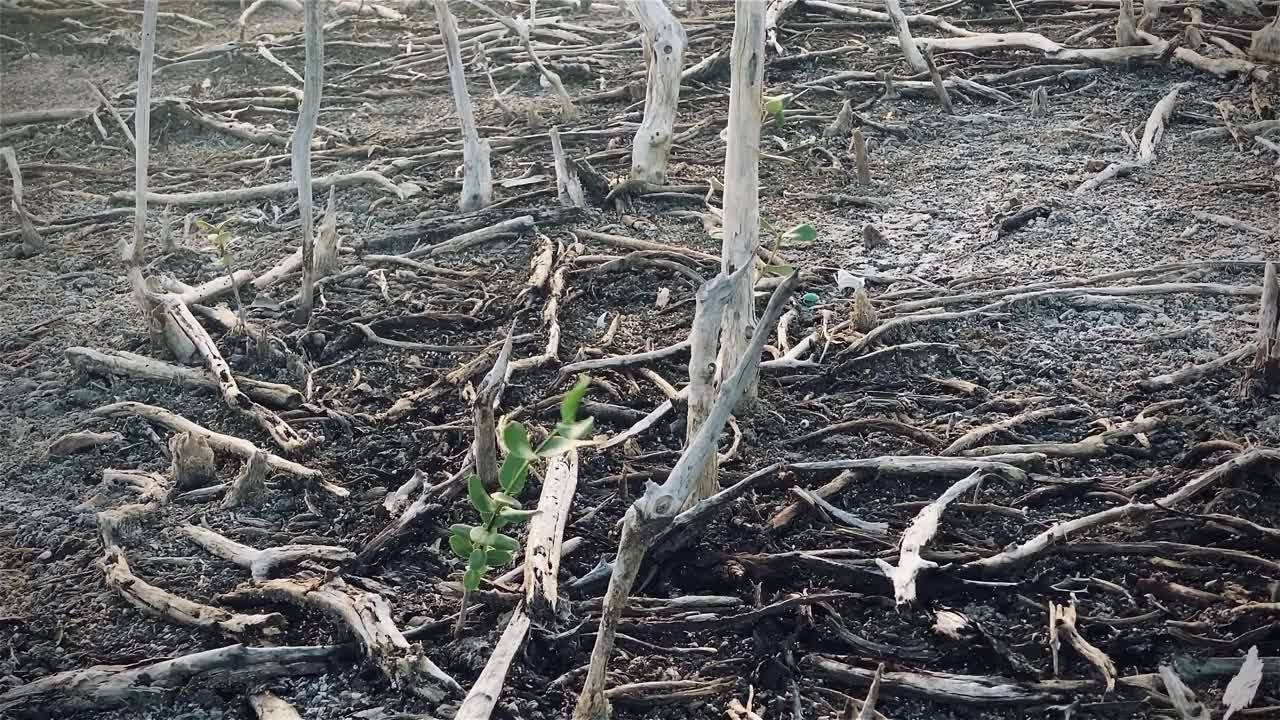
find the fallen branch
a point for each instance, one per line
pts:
(181, 320)
(269, 706)
(106, 686)
(977, 435)
(1191, 374)
(127, 364)
(541, 582)
(1146, 149)
(227, 443)
(1062, 622)
(161, 603)
(948, 688)
(263, 192)
(1042, 544)
(368, 616)
(261, 563)
(917, 535)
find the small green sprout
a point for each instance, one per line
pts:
(775, 106)
(484, 546)
(803, 234)
(220, 239)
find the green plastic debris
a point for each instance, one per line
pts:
(809, 299)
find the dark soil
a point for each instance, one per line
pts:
(947, 185)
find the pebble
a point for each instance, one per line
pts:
(45, 556)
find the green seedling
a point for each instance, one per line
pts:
(220, 240)
(803, 234)
(775, 106)
(484, 546)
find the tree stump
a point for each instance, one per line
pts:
(1263, 376)
(192, 461)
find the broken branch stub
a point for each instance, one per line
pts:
(1263, 376)
(710, 302)
(664, 37)
(308, 115)
(477, 178)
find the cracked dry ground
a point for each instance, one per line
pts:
(942, 186)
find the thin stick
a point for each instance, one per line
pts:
(943, 96)
(132, 252)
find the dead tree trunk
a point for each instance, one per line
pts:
(308, 114)
(1263, 377)
(703, 338)
(742, 186)
(657, 508)
(664, 35)
(133, 251)
(477, 181)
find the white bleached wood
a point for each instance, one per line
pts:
(742, 187)
(908, 44)
(477, 178)
(665, 38)
(308, 115)
(922, 529)
(658, 507)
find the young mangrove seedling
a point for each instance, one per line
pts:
(483, 546)
(220, 239)
(803, 234)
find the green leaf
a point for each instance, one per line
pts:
(516, 439)
(477, 562)
(504, 542)
(573, 398)
(505, 500)
(575, 430)
(778, 270)
(471, 580)
(481, 537)
(461, 546)
(556, 445)
(499, 558)
(774, 105)
(805, 233)
(460, 530)
(513, 474)
(479, 496)
(513, 515)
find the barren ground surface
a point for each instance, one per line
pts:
(944, 184)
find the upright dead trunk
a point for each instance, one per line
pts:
(133, 251)
(313, 81)
(477, 180)
(742, 185)
(1263, 377)
(665, 39)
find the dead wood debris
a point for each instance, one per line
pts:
(368, 616)
(106, 686)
